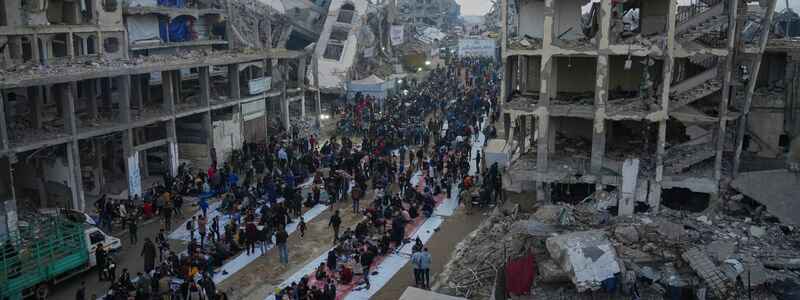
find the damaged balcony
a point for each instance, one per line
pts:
(526, 28)
(573, 87)
(633, 86)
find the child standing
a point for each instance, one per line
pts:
(302, 227)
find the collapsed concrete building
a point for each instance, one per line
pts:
(442, 14)
(99, 95)
(639, 104)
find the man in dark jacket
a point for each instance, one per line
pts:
(335, 221)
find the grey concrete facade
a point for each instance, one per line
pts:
(657, 91)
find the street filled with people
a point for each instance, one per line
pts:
(393, 160)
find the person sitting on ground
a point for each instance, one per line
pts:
(345, 276)
(320, 273)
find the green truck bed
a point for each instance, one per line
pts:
(40, 253)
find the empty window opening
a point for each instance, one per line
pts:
(339, 33)
(90, 45)
(333, 51)
(3, 19)
(110, 5)
(59, 45)
(346, 14)
(111, 45)
(27, 48)
(685, 199)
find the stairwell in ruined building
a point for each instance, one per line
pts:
(699, 18)
(698, 86)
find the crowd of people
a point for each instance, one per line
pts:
(425, 130)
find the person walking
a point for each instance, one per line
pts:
(335, 221)
(202, 223)
(367, 257)
(356, 194)
(133, 229)
(149, 253)
(478, 162)
(280, 239)
(466, 196)
(302, 226)
(190, 227)
(203, 206)
(251, 235)
(415, 263)
(262, 238)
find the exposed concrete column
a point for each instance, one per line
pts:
(172, 146)
(523, 128)
(317, 94)
(542, 142)
(145, 79)
(655, 199)
(68, 108)
(284, 99)
(205, 85)
(549, 12)
(76, 181)
(124, 98)
(522, 81)
(630, 175)
(167, 93)
(177, 85)
(546, 83)
(209, 135)
(301, 75)
(90, 91)
(70, 45)
(3, 124)
(233, 80)
(669, 60)
(36, 96)
(600, 99)
(604, 15)
(504, 27)
(73, 151)
(136, 91)
(751, 85)
(733, 27)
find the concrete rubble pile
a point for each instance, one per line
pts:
(524, 43)
(583, 252)
(480, 256)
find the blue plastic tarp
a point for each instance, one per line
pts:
(172, 3)
(178, 29)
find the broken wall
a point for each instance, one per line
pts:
(335, 73)
(767, 126)
(568, 15)
(227, 137)
(531, 18)
(576, 74)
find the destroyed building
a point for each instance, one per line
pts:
(98, 96)
(642, 104)
(442, 14)
(337, 48)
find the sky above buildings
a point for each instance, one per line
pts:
(481, 7)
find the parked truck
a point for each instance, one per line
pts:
(44, 253)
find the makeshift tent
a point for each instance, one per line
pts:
(370, 86)
(143, 29)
